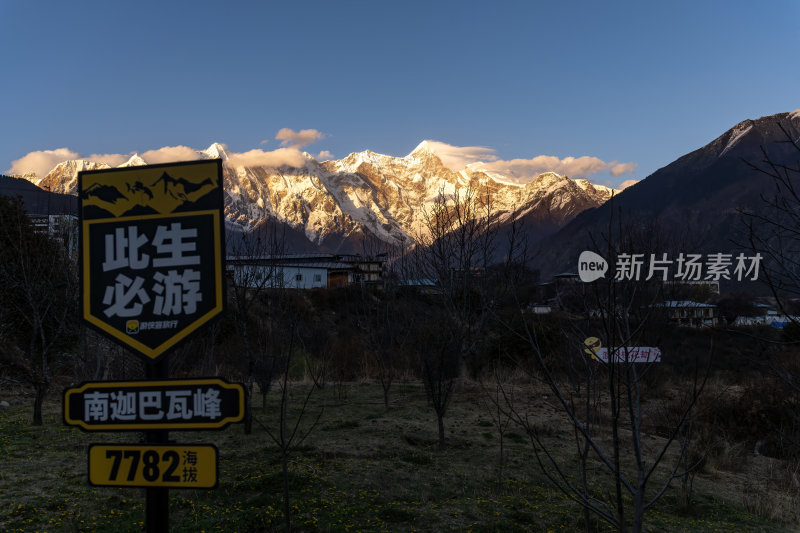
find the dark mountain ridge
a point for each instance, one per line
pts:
(37, 201)
(694, 202)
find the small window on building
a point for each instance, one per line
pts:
(298, 277)
(317, 277)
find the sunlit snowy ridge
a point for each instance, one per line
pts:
(379, 195)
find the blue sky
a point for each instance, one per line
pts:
(636, 84)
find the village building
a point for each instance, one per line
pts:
(690, 314)
(305, 271)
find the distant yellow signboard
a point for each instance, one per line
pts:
(152, 252)
(621, 354)
(153, 465)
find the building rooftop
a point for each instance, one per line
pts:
(683, 303)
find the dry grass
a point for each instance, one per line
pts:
(362, 468)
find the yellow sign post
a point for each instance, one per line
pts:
(152, 271)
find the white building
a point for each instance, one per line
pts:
(308, 271)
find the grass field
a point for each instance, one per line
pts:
(363, 468)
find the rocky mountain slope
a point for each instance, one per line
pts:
(335, 205)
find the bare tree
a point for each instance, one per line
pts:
(386, 323)
(500, 391)
(614, 473)
(456, 249)
(439, 354)
(38, 282)
(288, 432)
(275, 333)
(773, 235)
(773, 231)
(256, 262)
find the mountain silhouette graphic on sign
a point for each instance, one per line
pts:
(181, 188)
(139, 187)
(106, 193)
(153, 192)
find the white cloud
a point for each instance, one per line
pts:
(167, 154)
(289, 137)
(41, 162)
(457, 157)
(619, 169)
(112, 160)
(282, 156)
(524, 170)
(324, 155)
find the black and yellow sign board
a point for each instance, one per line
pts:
(174, 404)
(153, 465)
(152, 252)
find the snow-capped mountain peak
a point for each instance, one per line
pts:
(216, 151)
(423, 147)
(593, 188)
(63, 179)
(134, 161)
(425, 154)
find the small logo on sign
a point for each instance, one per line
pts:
(132, 327)
(591, 266)
(592, 345)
